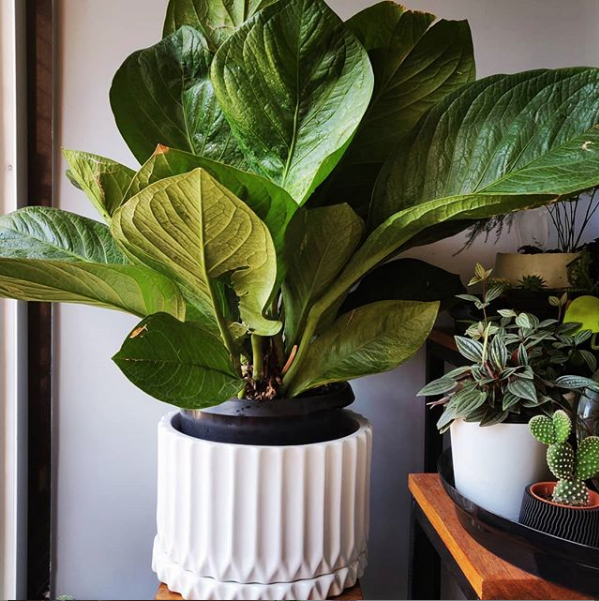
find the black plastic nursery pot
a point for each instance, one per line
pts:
(576, 524)
(307, 419)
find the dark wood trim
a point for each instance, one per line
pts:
(40, 183)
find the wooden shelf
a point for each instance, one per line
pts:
(352, 594)
(489, 576)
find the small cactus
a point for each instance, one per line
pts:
(533, 283)
(570, 468)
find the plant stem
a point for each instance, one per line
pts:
(225, 333)
(258, 357)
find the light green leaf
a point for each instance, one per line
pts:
(178, 363)
(415, 67)
(216, 19)
(466, 401)
(163, 95)
(529, 134)
(294, 85)
(319, 243)
(104, 181)
(197, 232)
(272, 204)
(370, 340)
(55, 256)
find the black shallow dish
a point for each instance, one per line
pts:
(560, 561)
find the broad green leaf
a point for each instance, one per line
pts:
(393, 235)
(272, 204)
(414, 67)
(55, 256)
(178, 363)
(104, 181)
(528, 134)
(195, 231)
(319, 243)
(406, 279)
(216, 19)
(370, 340)
(163, 95)
(294, 85)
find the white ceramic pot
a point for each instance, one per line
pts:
(261, 522)
(552, 267)
(493, 465)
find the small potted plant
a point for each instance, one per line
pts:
(566, 508)
(517, 370)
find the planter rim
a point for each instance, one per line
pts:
(594, 497)
(166, 422)
(337, 396)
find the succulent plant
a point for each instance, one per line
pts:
(532, 283)
(569, 467)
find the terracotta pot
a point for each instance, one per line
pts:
(577, 524)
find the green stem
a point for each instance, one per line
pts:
(258, 357)
(225, 333)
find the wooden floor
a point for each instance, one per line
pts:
(489, 576)
(352, 594)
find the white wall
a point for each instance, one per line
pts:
(106, 438)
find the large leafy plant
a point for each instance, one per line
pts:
(286, 158)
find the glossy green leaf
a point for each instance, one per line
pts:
(319, 244)
(216, 19)
(528, 134)
(104, 181)
(55, 256)
(415, 66)
(272, 204)
(163, 95)
(178, 363)
(406, 279)
(294, 85)
(370, 340)
(195, 231)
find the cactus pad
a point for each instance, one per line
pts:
(571, 492)
(561, 460)
(542, 429)
(587, 458)
(562, 425)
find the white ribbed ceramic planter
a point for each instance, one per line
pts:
(261, 522)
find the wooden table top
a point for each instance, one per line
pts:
(352, 594)
(489, 576)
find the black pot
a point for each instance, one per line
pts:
(576, 524)
(307, 419)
